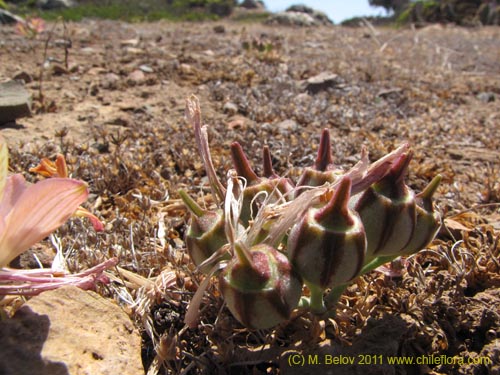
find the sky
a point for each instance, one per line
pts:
(337, 10)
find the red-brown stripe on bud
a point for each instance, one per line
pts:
(327, 247)
(260, 287)
(323, 170)
(272, 187)
(388, 211)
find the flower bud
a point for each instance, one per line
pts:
(327, 247)
(205, 234)
(272, 188)
(260, 287)
(428, 220)
(388, 212)
(324, 170)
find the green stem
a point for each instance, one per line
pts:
(377, 262)
(316, 302)
(332, 298)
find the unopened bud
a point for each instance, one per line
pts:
(271, 188)
(205, 234)
(324, 170)
(260, 287)
(327, 247)
(428, 220)
(388, 212)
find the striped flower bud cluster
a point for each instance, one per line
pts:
(321, 233)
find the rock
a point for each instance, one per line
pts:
(23, 76)
(288, 126)
(146, 68)
(301, 15)
(292, 19)
(230, 108)
(319, 16)
(321, 82)
(7, 17)
(54, 4)
(486, 97)
(15, 102)
(70, 331)
(110, 81)
(59, 70)
(137, 77)
(219, 29)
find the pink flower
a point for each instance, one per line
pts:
(30, 212)
(48, 168)
(30, 27)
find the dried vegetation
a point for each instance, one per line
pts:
(124, 133)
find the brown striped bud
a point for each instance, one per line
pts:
(428, 220)
(323, 170)
(271, 188)
(205, 234)
(260, 287)
(388, 212)
(327, 247)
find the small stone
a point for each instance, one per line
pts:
(134, 51)
(230, 108)
(70, 331)
(287, 126)
(110, 81)
(59, 70)
(219, 29)
(321, 82)
(486, 97)
(146, 69)
(23, 76)
(137, 77)
(88, 51)
(130, 42)
(15, 102)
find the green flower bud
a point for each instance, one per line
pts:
(323, 170)
(428, 220)
(388, 211)
(327, 247)
(260, 287)
(205, 234)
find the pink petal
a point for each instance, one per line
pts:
(4, 164)
(94, 220)
(14, 188)
(38, 211)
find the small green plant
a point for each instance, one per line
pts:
(270, 237)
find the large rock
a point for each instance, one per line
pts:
(292, 19)
(69, 331)
(319, 16)
(300, 15)
(15, 102)
(7, 17)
